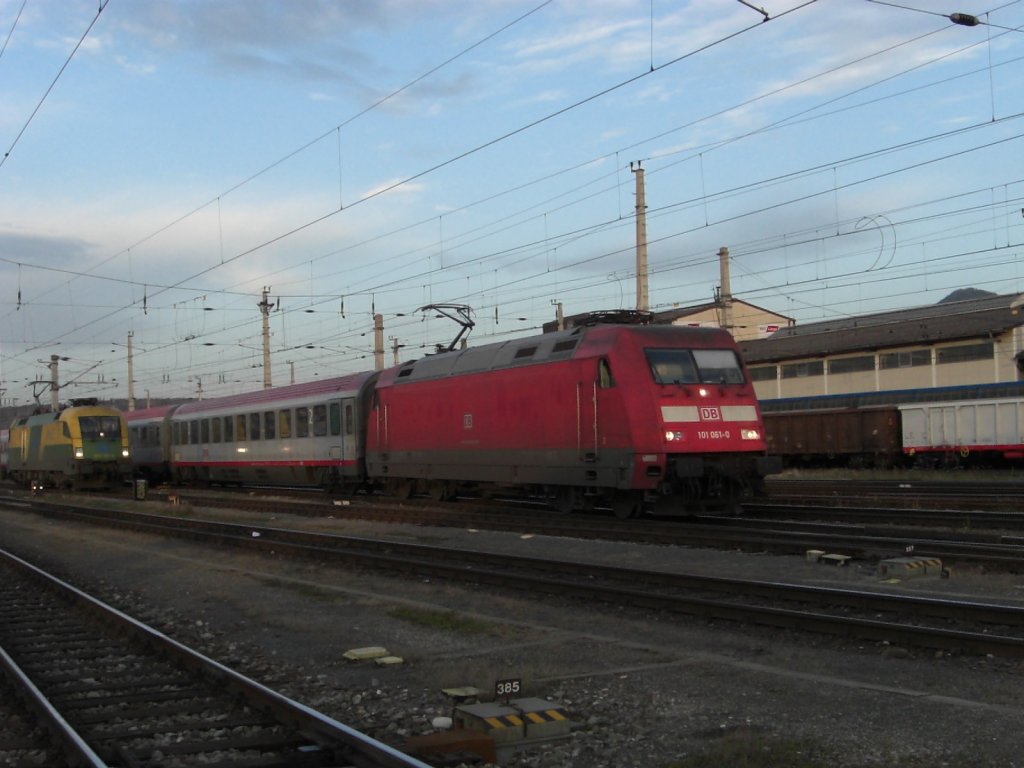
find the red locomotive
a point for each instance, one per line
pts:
(631, 417)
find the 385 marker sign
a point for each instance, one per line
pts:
(506, 689)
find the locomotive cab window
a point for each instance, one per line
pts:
(98, 427)
(718, 366)
(698, 366)
(672, 366)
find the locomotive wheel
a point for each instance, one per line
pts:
(626, 506)
(402, 489)
(566, 500)
(442, 490)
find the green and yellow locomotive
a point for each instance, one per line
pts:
(84, 445)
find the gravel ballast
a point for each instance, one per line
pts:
(644, 690)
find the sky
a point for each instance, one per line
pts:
(166, 163)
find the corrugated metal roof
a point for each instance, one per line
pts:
(950, 321)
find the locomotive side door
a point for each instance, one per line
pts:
(594, 403)
(586, 418)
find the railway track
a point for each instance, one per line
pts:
(114, 692)
(947, 625)
(980, 494)
(951, 519)
(962, 541)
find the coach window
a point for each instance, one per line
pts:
(175, 434)
(254, 426)
(215, 429)
(302, 422)
(335, 418)
(240, 427)
(604, 375)
(350, 426)
(319, 420)
(193, 432)
(268, 425)
(284, 424)
(204, 426)
(229, 432)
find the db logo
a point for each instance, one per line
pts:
(709, 413)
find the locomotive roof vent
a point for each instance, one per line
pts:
(616, 317)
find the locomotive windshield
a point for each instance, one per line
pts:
(100, 427)
(696, 366)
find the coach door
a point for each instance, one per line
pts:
(342, 430)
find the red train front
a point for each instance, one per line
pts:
(635, 417)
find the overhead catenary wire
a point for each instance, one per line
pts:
(64, 66)
(448, 244)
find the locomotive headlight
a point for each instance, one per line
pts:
(125, 453)
(673, 436)
(79, 453)
(750, 434)
(703, 391)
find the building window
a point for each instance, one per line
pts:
(965, 353)
(803, 370)
(764, 373)
(851, 364)
(911, 358)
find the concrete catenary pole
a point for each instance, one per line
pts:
(642, 300)
(723, 270)
(265, 306)
(54, 383)
(131, 375)
(378, 342)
